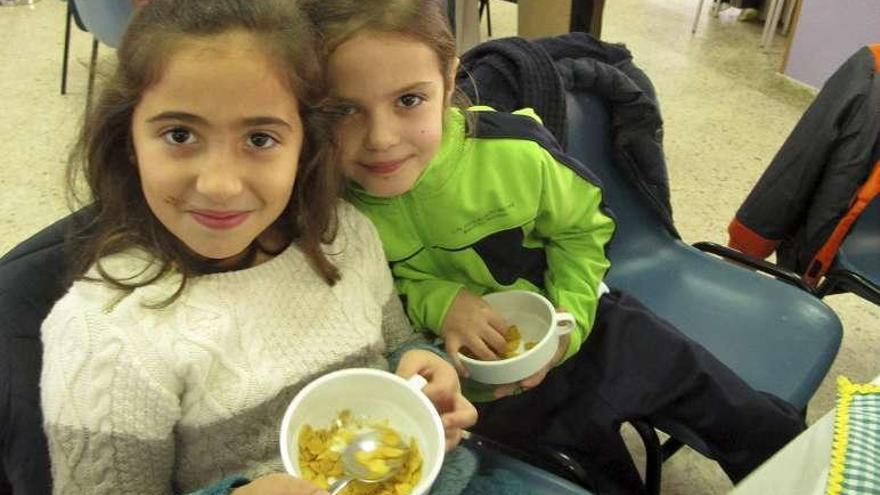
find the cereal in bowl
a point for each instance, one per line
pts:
(320, 456)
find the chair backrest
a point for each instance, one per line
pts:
(637, 237)
(857, 266)
(778, 338)
(860, 250)
(105, 19)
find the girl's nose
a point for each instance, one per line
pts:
(382, 133)
(219, 179)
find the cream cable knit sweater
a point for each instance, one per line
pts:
(144, 401)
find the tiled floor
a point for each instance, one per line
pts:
(726, 111)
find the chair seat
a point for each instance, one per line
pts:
(780, 343)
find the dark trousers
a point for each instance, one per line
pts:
(635, 365)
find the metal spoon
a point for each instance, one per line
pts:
(354, 470)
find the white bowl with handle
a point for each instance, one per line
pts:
(373, 394)
(537, 321)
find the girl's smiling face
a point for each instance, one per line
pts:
(217, 140)
(392, 94)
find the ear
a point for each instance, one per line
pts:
(450, 79)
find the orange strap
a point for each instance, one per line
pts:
(875, 49)
(864, 195)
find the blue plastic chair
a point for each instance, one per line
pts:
(856, 268)
(778, 337)
(106, 20)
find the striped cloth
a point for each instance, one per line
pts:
(855, 452)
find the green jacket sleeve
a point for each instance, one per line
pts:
(576, 232)
(427, 300)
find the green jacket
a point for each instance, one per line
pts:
(498, 208)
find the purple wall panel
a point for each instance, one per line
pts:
(827, 33)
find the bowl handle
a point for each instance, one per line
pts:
(416, 382)
(565, 323)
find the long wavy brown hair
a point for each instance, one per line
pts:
(103, 156)
(422, 20)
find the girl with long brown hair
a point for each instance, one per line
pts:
(222, 273)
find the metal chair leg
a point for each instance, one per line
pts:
(697, 17)
(825, 287)
(484, 5)
(670, 447)
(771, 23)
(66, 51)
(92, 66)
(653, 456)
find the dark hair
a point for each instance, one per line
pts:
(103, 153)
(424, 20)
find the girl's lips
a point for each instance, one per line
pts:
(220, 220)
(383, 168)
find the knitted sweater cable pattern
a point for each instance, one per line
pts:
(140, 400)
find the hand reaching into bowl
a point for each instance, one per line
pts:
(536, 379)
(470, 322)
(444, 391)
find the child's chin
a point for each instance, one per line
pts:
(219, 254)
(387, 190)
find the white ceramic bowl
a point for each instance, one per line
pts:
(537, 321)
(373, 394)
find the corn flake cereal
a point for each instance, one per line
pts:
(320, 457)
(513, 340)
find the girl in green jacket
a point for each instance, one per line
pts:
(469, 202)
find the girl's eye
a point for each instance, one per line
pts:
(410, 100)
(342, 109)
(179, 135)
(262, 140)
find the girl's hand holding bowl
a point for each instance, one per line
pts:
(539, 324)
(279, 484)
(444, 391)
(375, 396)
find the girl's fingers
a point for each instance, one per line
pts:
(481, 351)
(463, 416)
(460, 367)
(536, 379)
(494, 340)
(452, 346)
(453, 438)
(459, 418)
(497, 322)
(505, 390)
(441, 390)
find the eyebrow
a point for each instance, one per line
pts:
(196, 119)
(405, 89)
(413, 86)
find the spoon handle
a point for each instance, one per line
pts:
(339, 485)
